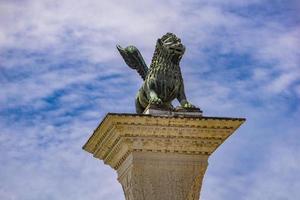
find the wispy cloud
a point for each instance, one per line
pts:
(60, 73)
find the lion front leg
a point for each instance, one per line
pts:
(149, 88)
(182, 99)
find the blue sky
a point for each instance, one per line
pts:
(60, 73)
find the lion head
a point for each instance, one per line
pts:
(172, 45)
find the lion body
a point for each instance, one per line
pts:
(162, 80)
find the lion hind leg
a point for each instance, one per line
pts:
(138, 107)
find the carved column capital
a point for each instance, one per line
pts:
(159, 157)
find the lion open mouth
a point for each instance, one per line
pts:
(177, 49)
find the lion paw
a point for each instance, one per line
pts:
(155, 101)
(188, 105)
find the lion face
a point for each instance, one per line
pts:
(172, 44)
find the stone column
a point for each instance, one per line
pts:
(159, 157)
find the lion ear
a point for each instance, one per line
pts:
(159, 41)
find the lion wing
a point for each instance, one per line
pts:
(134, 59)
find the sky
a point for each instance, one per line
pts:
(60, 73)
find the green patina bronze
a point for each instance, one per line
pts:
(162, 80)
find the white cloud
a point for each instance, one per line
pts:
(278, 177)
(283, 82)
(48, 46)
(89, 30)
(247, 166)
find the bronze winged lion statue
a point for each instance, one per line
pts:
(162, 80)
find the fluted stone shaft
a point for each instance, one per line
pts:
(149, 176)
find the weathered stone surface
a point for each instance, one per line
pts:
(156, 175)
(159, 157)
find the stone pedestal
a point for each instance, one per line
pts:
(159, 157)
